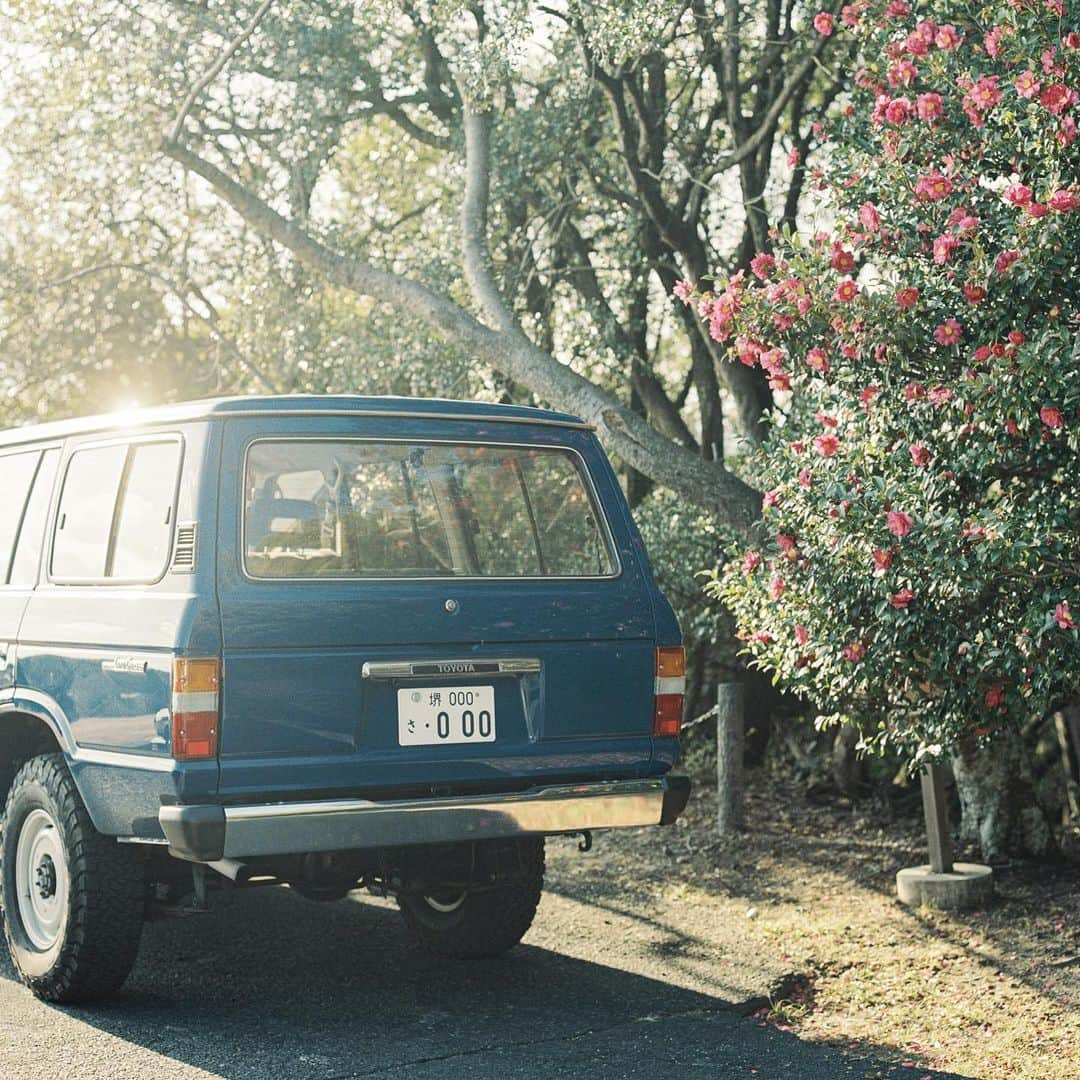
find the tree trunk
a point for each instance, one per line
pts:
(1000, 811)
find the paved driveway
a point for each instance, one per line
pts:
(276, 986)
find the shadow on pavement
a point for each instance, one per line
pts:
(276, 986)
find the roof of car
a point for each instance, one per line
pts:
(294, 405)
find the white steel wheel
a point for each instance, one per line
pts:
(445, 902)
(41, 879)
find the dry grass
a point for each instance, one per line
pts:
(988, 994)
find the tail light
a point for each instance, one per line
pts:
(195, 709)
(670, 689)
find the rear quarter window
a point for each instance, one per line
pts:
(114, 521)
(360, 508)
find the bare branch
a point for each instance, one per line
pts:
(214, 70)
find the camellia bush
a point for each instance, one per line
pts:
(919, 561)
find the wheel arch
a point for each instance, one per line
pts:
(27, 729)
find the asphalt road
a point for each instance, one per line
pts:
(276, 986)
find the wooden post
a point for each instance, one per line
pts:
(729, 757)
(936, 811)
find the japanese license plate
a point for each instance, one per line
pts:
(430, 715)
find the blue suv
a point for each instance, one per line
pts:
(329, 642)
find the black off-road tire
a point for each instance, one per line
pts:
(99, 938)
(487, 922)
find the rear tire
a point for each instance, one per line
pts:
(72, 898)
(468, 925)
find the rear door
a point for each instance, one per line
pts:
(426, 605)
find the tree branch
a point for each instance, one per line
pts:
(214, 69)
(474, 205)
(708, 484)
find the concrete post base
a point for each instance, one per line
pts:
(968, 885)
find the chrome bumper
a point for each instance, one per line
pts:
(207, 833)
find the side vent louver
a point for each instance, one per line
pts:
(184, 552)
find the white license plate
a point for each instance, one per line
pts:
(430, 715)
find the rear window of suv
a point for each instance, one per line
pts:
(365, 509)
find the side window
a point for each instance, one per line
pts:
(115, 515)
(16, 476)
(84, 522)
(24, 567)
(140, 545)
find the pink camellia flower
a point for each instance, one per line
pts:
(974, 294)
(850, 14)
(883, 559)
(985, 93)
(916, 44)
(762, 265)
(1036, 210)
(1012, 427)
(933, 187)
(1005, 260)
(1057, 97)
(1016, 337)
(902, 73)
(785, 542)
(919, 454)
(779, 380)
(801, 634)
(992, 40)
(940, 395)
(929, 107)
(869, 217)
(899, 523)
(907, 297)
(1062, 616)
(995, 696)
(1071, 40)
(842, 260)
(846, 291)
(1064, 200)
(898, 111)
(818, 360)
(806, 478)
(827, 444)
(751, 561)
(823, 23)
(1027, 86)
(867, 395)
(777, 585)
(794, 157)
(914, 391)
(853, 652)
(1051, 416)
(944, 246)
(901, 599)
(949, 333)
(770, 499)
(898, 9)
(947, 37)
(684, 291)
(760, 637)
(826, 421)
(1018, 194)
